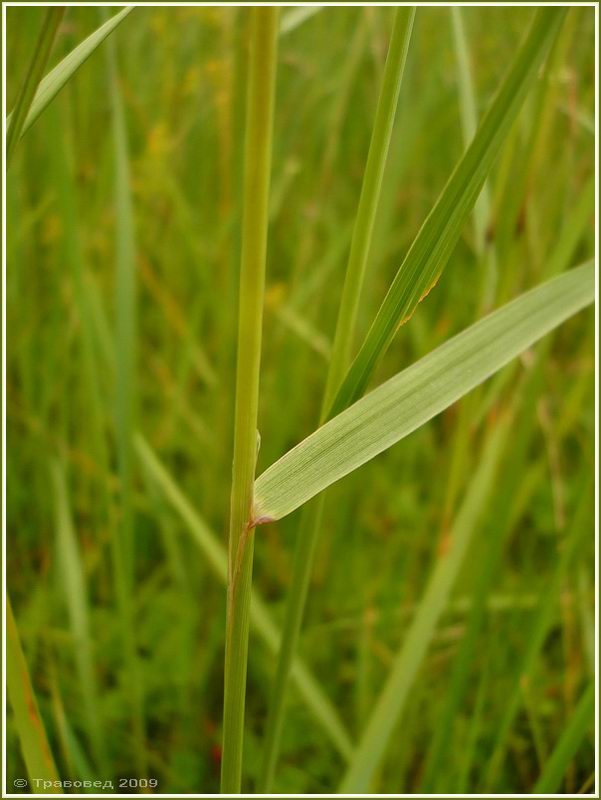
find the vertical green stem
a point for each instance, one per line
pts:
(122, 541)
(257, 169)
(34, 75)
(341, 355)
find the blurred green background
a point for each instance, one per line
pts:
(181, 79)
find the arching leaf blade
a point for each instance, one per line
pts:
(415, 395)
(54, 81)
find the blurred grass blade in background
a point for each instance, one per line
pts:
(537, 634)
(435, 242)
(295, 16)
(123, 542)
(29, 724)
(307, 684)
(485, 249)
(582, 720)
(53, 82)
(415, 395)
(389, 707)
(503, 510)
(76, 596)
(255, 222)
(339, 361)
(16, 122)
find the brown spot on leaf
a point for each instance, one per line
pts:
(424, 295)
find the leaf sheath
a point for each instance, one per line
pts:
(257, 171)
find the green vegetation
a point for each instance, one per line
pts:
(252, 256)
(255, 222)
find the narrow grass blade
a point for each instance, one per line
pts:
(125, 294)
(581, 721)
(391, 702)
(437, 237)
(16, 122)
(500, 515)
(54, 81)
(537, 633)
(415, 395)
(30, 726)
(62, 174)
(341, 353)
(573, 227)
(307, 685)
(369, 198)
(305, 331)
(295, 17)
(73, 582)
(125, 399)
(469, 123)
(257, 176)
(73, 756)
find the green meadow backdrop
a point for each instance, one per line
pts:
(455, 571)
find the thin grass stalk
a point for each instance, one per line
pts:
(257, 172)
(484, 248)
(34, 75)
(122, 541)
(307, 685)
(341, 355)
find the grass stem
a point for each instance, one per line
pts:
(341, 355)
(257, 171)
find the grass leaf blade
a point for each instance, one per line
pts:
(76, 595)
(369, 200)
(30, 727)
(123, 550)
(567, 746)
(16, 122)
(417, 394)
(54, 81)
(437, 237)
